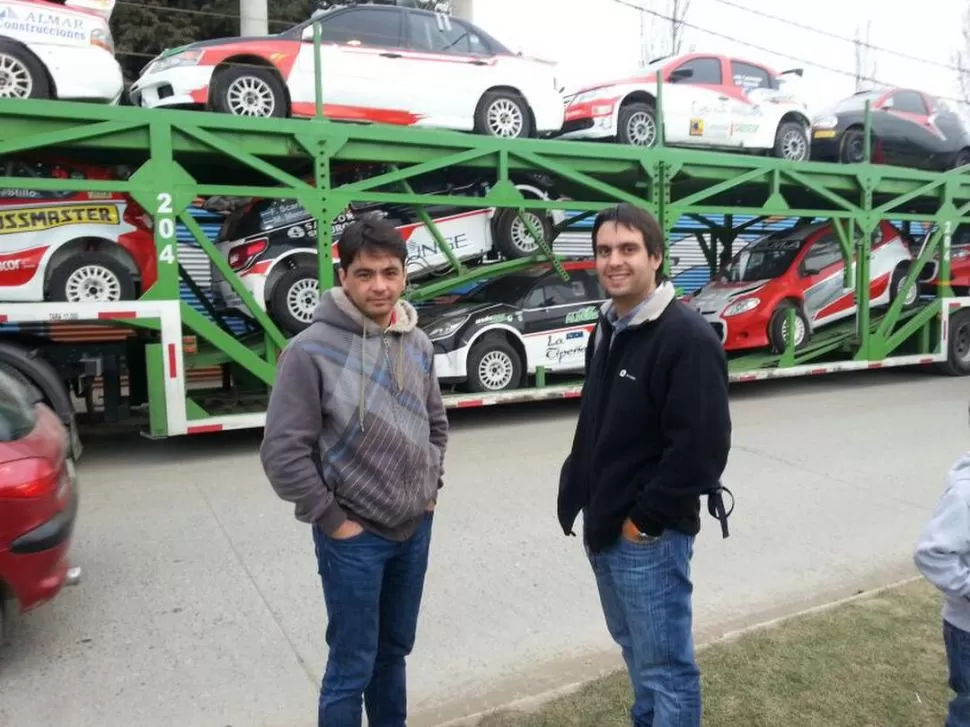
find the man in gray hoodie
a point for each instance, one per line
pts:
(943, 557)
(355, 438)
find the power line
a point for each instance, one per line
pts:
(836, 36)
(761, 48)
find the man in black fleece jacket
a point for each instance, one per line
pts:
(653, 435)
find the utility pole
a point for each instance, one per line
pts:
(254, 17)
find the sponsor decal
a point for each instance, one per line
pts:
(495, 318)
(43, 24)
(744, 128)
(697, 127)
(39, 219)
(559, 348)
(583, 315)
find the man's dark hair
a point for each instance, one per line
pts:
(373, 234)
(638, 219)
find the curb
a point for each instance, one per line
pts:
(530, 704)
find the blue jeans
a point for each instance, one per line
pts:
(645, 590)
(957, 644)
(372, 589)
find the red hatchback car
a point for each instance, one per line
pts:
(38, 502)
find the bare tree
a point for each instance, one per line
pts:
(961, 58)
(865, 66)
(662, 33)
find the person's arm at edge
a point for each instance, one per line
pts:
(943, 544)
(696, 422)
(294, 419)
(437, 416)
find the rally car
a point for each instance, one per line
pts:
(496, 336)
(382, 63)
(271, 244)
(58, 50)
(709, 101)
(909, 128)
(802, 269)
(71, 246)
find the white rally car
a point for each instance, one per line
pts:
(381, 63)
(58, 50)
(271, 244)
(709, 101)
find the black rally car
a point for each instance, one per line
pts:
(909, 129)
(492, 338)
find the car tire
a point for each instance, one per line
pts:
(792, 143)
(512, 237)
(636, 120)
(776, 327)
(20, 66)
(96, 270)
(852, 148)
(494, 365)
(234, 87)
(294, 297)
(898, 278)
(503, 114)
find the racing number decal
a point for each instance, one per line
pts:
(164, 218)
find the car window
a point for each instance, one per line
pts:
(706, 70)
(591, 284)
(824, 252)
(17, 418)
(363, 26)
(556, 292)
(908, 102)
(443, 34)
(748, 76)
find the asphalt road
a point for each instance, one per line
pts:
(200, 603)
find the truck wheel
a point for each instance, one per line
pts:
(899, 277)
(91, 277)
(512, 237)
(958, 346)
(248, 91)
(294, 298)
(778, 327)
(493, 365)
(637, 125)
(21, 74)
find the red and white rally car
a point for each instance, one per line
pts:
(800, 268)
(380, 63)
(71, 246)
(709, 101)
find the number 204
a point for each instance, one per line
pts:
(166, 226)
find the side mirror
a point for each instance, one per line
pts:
(681, 74)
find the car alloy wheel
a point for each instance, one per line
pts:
(250, 96)
(793, 146)
(505, 118)
(496, 370)
(15, 78)
(92, 284)
(302, 299)
(641, 129)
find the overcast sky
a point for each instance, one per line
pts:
(597, 39)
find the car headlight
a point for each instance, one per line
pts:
(186, 58)
(741, 306)
(443, 329)
(825, 122)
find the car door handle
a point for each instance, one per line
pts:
(390, 55)
(478, 63)
(722, 98)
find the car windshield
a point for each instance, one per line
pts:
(858, 101)
(764, 260)
(506, 289)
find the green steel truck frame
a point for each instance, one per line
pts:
(147, 376)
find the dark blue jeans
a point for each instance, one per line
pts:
(372, 589)
(645, 590)
(957, 644)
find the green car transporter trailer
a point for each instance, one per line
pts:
(185, 155)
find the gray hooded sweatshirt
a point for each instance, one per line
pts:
(943, 551)
(356, 427)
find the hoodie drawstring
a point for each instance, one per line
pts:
(363, 380)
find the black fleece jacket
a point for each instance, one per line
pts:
(654, 427)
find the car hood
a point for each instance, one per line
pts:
(714, 296)
(215, 42)
(431, 315)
